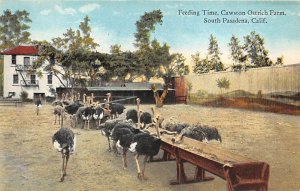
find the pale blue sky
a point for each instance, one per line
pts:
(114, 22)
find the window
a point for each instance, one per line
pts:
(13, 59)
(32, 79)
(15, 79)
(26, 61)
(50, 79)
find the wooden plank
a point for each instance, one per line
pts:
(208, 151)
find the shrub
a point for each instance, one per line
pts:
(24, 95)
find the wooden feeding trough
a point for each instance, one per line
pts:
(240, 173)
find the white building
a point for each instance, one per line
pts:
(17, 64)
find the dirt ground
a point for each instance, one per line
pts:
(28, 160)
(255, 104)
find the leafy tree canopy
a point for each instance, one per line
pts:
(14, 29)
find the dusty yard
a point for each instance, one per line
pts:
(29, 162)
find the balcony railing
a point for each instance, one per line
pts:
(29, 83)
(23, 67)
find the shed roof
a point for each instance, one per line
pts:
(135, 86)
(22, 50)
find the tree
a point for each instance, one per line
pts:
(201, 65)
(255, 48)
(122, 64)
(71, 55)
(279, 61)
(214, 54)
(223, 83)
(237, 54)
(174, 67)
(148, 52)
(159, 100)
(14, 29)
(144, 26)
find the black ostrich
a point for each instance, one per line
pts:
(146, 119)
(107, 127)
(133, 115)
(72, 108)
(64, 141)
(87, 115)
(98, 114)
(200, 133)
(116, 109)
(123, 135)
(144, 144)
(118, 131)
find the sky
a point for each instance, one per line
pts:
(113, 22)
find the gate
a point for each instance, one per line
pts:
(180, 87)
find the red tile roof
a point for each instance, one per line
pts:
(21, 50)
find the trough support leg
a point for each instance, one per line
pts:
(200, 175)
(181, 177)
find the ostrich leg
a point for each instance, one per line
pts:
(55, 119)
(109, 147)
(124, 158)
(144, 167)
(138, 166)
(67, 159)
(62, 170)
(59, 119)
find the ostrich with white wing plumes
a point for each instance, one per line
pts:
(65, 142)
(147, 145)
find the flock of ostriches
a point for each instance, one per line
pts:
(130, 133)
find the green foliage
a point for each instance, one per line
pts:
(255, 48)
(151, 54)
(23, 95)
(279, 61)
(73, 54)
(237, 54)
(145, 25)
(223, 83)
(214, 54)
(122, 64)
(189, 86)
(14, 29)
(201, 65)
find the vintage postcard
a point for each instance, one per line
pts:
(149, 95)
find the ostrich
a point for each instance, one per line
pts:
(116, 132)
(98, 114)
(145, 117)
(87, 115)
(77, 116)
(116, 109)
(133, 115)
(145, 144)
(200, 133)
(59, 112)
(38, 104)
(107, 127)
(123, 135)
(64, 141)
